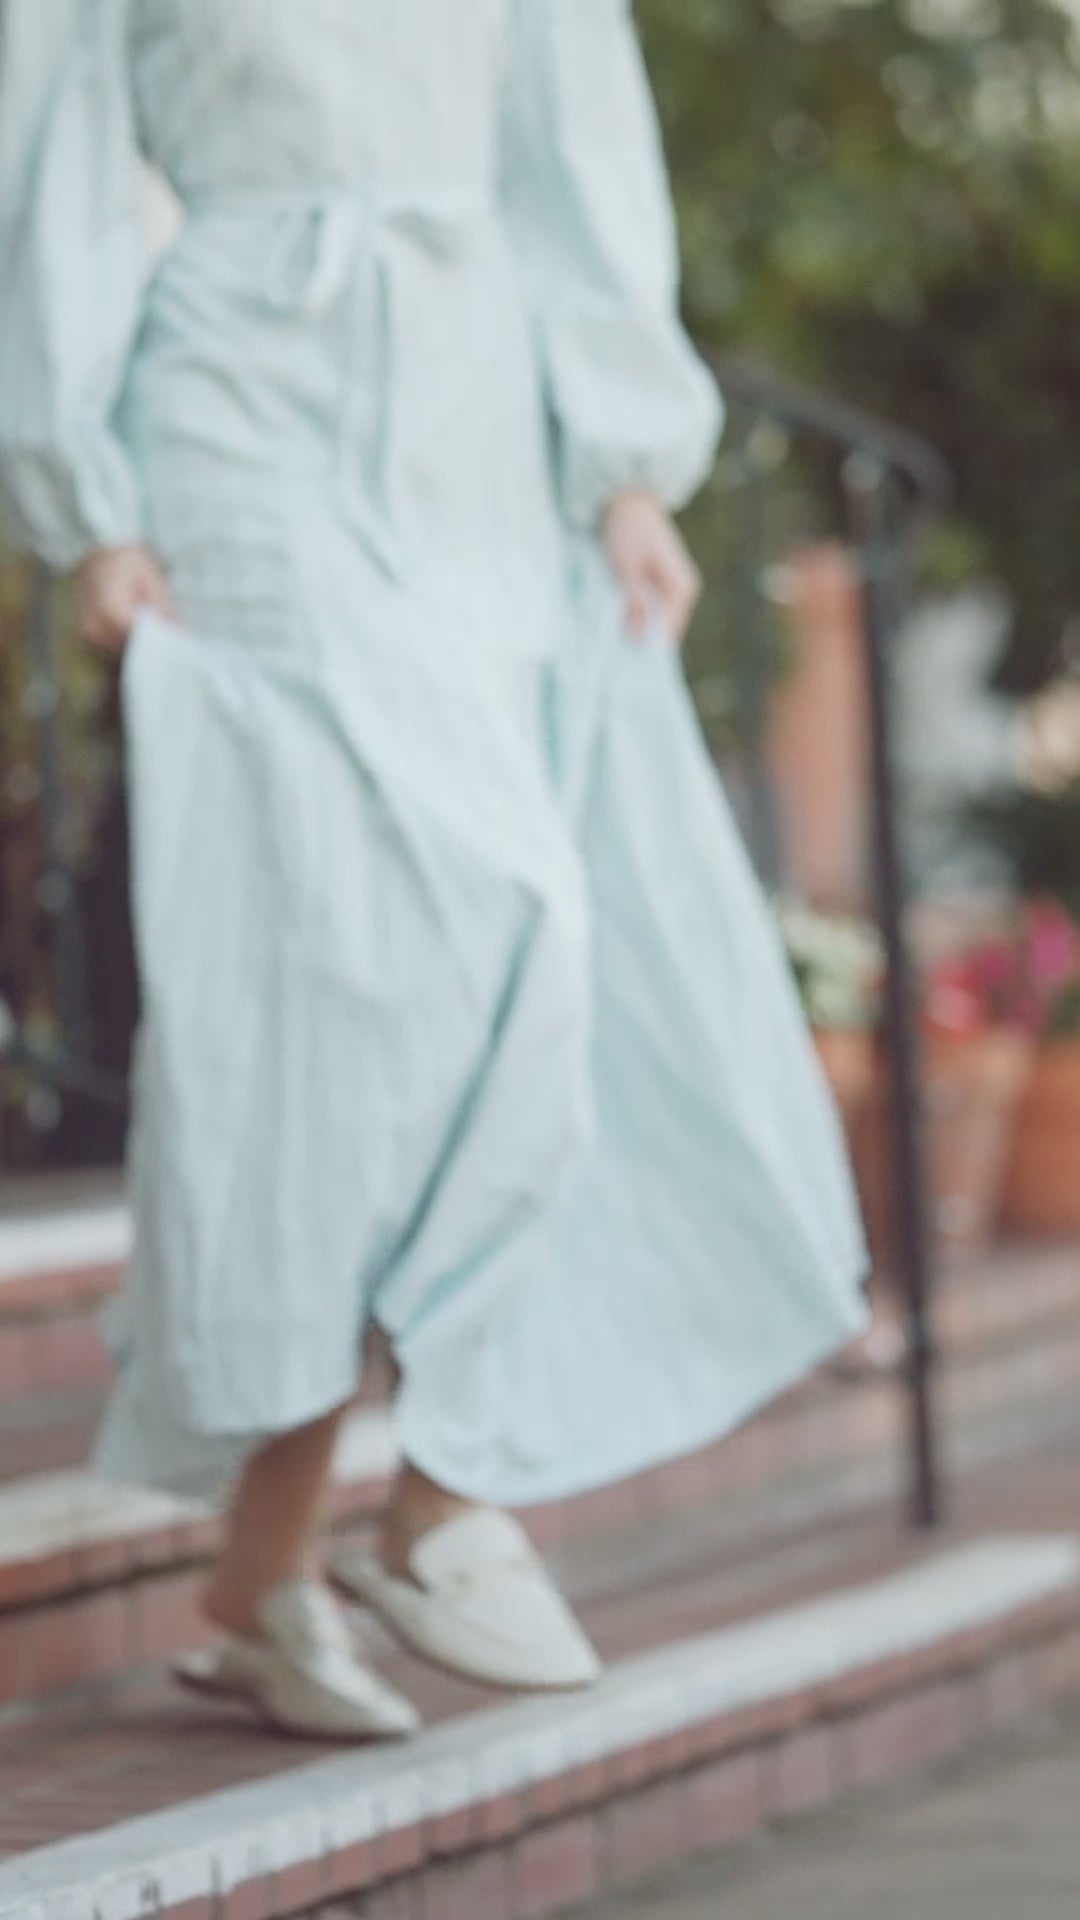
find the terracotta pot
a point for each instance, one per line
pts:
(817, 739)
(972, 1091)
(1042, 1188)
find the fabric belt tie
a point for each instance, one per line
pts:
(345, 249)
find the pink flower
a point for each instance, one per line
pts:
(1007, 982)
(1052, 939)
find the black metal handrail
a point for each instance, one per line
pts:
(894, 485)
(805, 410)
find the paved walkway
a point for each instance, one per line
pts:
(994, 1839)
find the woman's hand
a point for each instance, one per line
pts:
(112, 585)
(651, 564)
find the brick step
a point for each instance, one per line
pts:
(738, 1693)
(44, 1432)
(51, 1345)
(61, 1264)
(58, 1268)
(94, 1578)
(61, 1223)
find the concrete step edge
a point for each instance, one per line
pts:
(667, 1709)
(86, 1237)
(69, 1531)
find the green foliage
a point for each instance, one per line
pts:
(883, 197)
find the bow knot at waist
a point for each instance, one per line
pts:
(329, 231)
(322, 250)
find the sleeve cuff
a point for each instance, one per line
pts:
(590, 477)
(61, 520)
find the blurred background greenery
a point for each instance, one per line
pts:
(883, 197)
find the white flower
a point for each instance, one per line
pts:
(838, 963)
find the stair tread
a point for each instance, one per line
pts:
(46, 1515)
(47, 1432)
(88, 1235)
(130, 1725)
(156, 1783)
(94, 1577)
(54, 1515)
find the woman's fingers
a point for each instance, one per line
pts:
(155, 590)
(103, 626)
(664, 588)
(680, 591)
(113, 584)
(678, 581)
(651, 562)
(639, 601)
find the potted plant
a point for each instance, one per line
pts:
(838, 964)
(838, 961)
(1042, 1188)
(983, 1010)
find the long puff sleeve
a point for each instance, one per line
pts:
(586, 195)
(71, 276)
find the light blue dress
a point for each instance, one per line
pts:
(461, 1007)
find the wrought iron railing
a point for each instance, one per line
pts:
(890, 485)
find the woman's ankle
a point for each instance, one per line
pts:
(233, 1596)
(231, 1607)
(417, 1507)
(271, 1534)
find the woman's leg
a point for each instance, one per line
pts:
(290, 1651)
(417, 1505)
(273, 1523)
